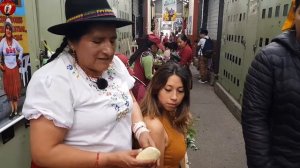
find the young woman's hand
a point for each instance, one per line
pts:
(125, 159)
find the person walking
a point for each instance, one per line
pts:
(204, 55)
(270, 110)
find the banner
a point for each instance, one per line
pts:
(169, 10)
(14, 60)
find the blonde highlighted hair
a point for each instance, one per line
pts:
(150, 105)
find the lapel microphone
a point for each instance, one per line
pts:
(101, 83)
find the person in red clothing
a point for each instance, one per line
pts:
(185, 52)
(165, 39)
(142, 63)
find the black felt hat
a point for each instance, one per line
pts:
(84, 11)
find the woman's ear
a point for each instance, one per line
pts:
(70, 44)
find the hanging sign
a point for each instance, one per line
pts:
(7, 7)
(169, 10)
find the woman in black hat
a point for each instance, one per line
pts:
(81, 110)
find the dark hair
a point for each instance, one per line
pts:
(204, 31)
(297, 4)
(73, 35)
(143, 45)
(184, 38)
(10, 28)
(9, 25)
(150, 105)
(167, 45)
(171, 45)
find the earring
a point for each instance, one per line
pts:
(72, 51)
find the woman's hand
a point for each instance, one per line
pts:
(19, 63)
(125, 159)
(2, 67)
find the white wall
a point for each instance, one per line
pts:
(190, 21)
(212, 19)
(135, 8)
(122, 9)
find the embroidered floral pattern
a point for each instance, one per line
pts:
(73, 70)
(70, 67)
(119, 98)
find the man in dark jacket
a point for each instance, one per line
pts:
(271, 103)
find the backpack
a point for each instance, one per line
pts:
(174, 57)
(207, 49)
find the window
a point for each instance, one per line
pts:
(285, 9)
(270, 12)
(260, 42)
(267, 41)
(277, 11)
(263, 13)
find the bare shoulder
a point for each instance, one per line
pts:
(154, 125)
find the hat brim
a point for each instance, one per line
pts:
(63, 29)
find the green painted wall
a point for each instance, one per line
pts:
(248, 25)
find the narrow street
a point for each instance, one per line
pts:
(219, 134)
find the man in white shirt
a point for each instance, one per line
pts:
(203, 61)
